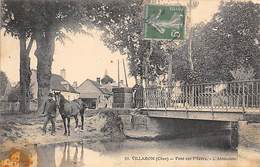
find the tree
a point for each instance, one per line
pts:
(49, 20)
(237, 23)
(17, 24)
(227, 43)
(3, 83)
(106, 79)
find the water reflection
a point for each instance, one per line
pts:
(46, 156)
(98, 153)
(112, 153)
(61, 155)
(76, 159)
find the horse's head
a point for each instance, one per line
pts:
(57, 96)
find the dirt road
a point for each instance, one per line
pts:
(18, 130)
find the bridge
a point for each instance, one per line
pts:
(221, 101)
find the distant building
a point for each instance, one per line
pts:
(160, 1)
(110, 86)
(58, 83)
(94, 94)
(63, 73)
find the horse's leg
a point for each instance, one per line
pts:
(76, 120)
(68, 118)
(64, 123)
(82, 120)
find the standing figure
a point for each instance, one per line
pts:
(138, 96)
(49, 111)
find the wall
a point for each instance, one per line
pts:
(70, 96)
(103, 102)
(88, 89)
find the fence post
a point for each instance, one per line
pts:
(243, 96)
(144, 98)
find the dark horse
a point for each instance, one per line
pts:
(69, 109)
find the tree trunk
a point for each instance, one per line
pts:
(25, 76)
(190, 39)
(136, 81)
(170, 70)
(147, 65)
(45, 42)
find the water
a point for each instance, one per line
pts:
(197, 151)
(181, 152)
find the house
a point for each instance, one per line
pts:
(58, 83)
(94, 95)
(110, 86)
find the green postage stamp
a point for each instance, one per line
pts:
(163, 22)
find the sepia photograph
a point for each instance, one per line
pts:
(130, 83)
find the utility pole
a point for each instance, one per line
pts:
(118, 73)
(0, 61)
(125, 73)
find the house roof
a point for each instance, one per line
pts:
(56, 84)
(98, 86)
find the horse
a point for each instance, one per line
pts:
(69, 109)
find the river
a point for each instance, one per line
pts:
(207, 150)
(196, 151)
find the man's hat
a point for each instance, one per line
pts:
(50, 94)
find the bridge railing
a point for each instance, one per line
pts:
(236, 94)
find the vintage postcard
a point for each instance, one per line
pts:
(129, 83)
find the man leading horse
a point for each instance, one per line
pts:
(49, 111)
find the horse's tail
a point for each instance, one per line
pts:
(82, 117)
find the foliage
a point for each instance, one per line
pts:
(243, 74)
(72, 16)
(3, 83)
(106, 79)
(226, 43)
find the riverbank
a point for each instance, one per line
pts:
(18, 130)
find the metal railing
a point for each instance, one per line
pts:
(236, 94)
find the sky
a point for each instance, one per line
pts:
(85, 56)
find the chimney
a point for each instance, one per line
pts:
(98, 80)
(75, 84)
(121, 82)
(63, 73)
